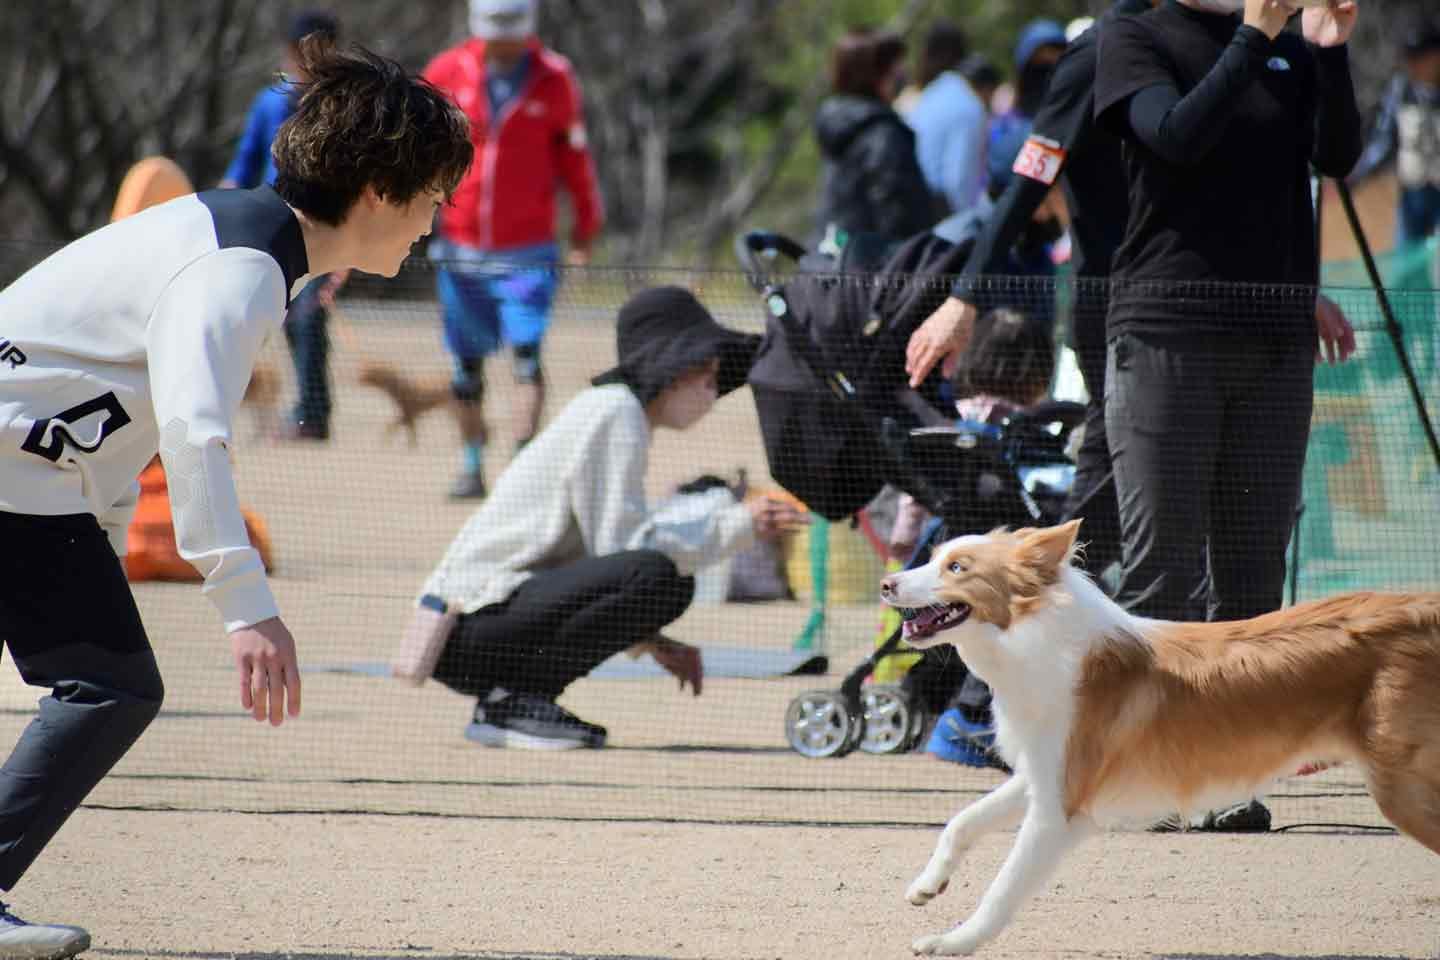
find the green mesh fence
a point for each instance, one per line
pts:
(357, 523)
(1372, 488)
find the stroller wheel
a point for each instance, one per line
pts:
(917, 725)
(818, 724)
(889, 719)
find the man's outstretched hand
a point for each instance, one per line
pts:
(269, 672)
(943, 336)
(681, 660)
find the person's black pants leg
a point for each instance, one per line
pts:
(1258, 471)
(307, 333)
(1092, 496)
(561, 624)
(70, 623)
(1164, 413)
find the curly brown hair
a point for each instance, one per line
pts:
(363, 121)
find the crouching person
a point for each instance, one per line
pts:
(565, 565)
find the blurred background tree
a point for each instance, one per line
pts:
(699, 112)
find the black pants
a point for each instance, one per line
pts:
(561, 624)
(1207, 435)
(69, 621)
(1092, 495)
(309, 339)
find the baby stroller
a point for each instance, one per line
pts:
(839, 422)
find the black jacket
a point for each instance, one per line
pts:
(871, 181)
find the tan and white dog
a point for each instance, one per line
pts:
(1106, 717)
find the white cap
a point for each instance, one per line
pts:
(502, 19)
(1077, 26)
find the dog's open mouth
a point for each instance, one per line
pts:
(928, 621)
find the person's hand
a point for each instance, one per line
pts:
(1330, 26)
(579, 256)
(944, 335)
(1268, 16)
(773, 518)
(269, 672)
(1336, 340)
(331, 286)
(681, 660)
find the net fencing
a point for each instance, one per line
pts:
(355, 524)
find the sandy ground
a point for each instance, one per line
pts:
(209, 885)
(371, 828)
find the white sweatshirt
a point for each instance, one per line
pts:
(577, 490)
(142, 336)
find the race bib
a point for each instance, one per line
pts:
(1040, 159)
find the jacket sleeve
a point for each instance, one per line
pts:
(895, 188)
(203, 338)
(1185, 129)
(1061, 128)
(248, 165)
(1339, 138)
(576, 165)
(608, 494)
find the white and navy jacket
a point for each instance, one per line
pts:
(143, 336)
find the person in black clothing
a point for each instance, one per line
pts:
(872, 182)
(1064, 145)
(1209, 378)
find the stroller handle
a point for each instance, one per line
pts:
(756, 245)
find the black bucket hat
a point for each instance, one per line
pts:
(664, 331)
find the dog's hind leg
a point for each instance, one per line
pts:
(1045, 836)
(997, 810)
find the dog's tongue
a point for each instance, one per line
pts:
(923, 622)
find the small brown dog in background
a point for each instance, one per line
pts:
(412, 398)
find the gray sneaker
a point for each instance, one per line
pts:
(468, 486)
(38, 941)
(527, 722)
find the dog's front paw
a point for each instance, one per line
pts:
(942, 945)
(925, 888)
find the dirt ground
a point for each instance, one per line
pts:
(371, 828)
(201, 885)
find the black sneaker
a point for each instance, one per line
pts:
(1249, 817)
(1252, 817)
(468, 486)
(527, 722)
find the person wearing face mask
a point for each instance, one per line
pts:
(1209, 376)
(871, 182)
(565, 565)
(1064, 148)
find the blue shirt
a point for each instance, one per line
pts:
(949, 124)
(502, 87)
(253, 164)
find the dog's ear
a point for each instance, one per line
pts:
(1048, 549)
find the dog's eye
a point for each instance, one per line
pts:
(957, 567)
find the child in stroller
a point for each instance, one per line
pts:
(828, 385)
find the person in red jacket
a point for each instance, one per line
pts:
(496, 249)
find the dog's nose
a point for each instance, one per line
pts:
(887, 587)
